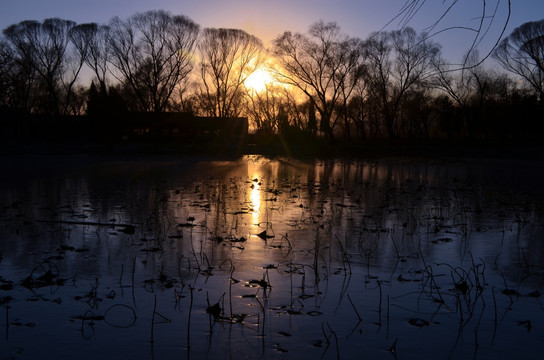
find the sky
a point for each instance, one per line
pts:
(267, 19)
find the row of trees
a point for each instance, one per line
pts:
(392, 85)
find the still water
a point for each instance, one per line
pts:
(162, 257)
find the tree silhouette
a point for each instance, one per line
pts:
(227, 58)
(397, 62)
(152, 53)
(324, 64)
(6, 70)
(522, 53)
(91, 41)
(43, 47)
(332, 84)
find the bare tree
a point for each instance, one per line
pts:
(7, 66)
(522, 53)
(351, 78)
(43, 47)
(78, 100)
(459, 87)
(472, 90)
(295, 115)
(323, 64)
(397, 62)
(91, 41)
(266, 108)
(358, 112)
(152, 53)
(19, 79)
(228, 57)
(75, 60)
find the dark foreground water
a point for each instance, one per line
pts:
(163, 258)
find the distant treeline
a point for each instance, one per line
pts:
(321, 84)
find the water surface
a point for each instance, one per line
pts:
(270, 258)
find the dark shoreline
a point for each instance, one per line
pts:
(318, 149)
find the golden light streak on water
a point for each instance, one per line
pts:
(255, 199)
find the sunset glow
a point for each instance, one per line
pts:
(271, 179)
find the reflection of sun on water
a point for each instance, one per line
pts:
(255, 200)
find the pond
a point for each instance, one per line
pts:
(258, 257)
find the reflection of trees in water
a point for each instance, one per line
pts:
(363, 204)
(369, 230)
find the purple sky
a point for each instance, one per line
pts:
(267, 19)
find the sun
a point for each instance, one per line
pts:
(258, 80)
